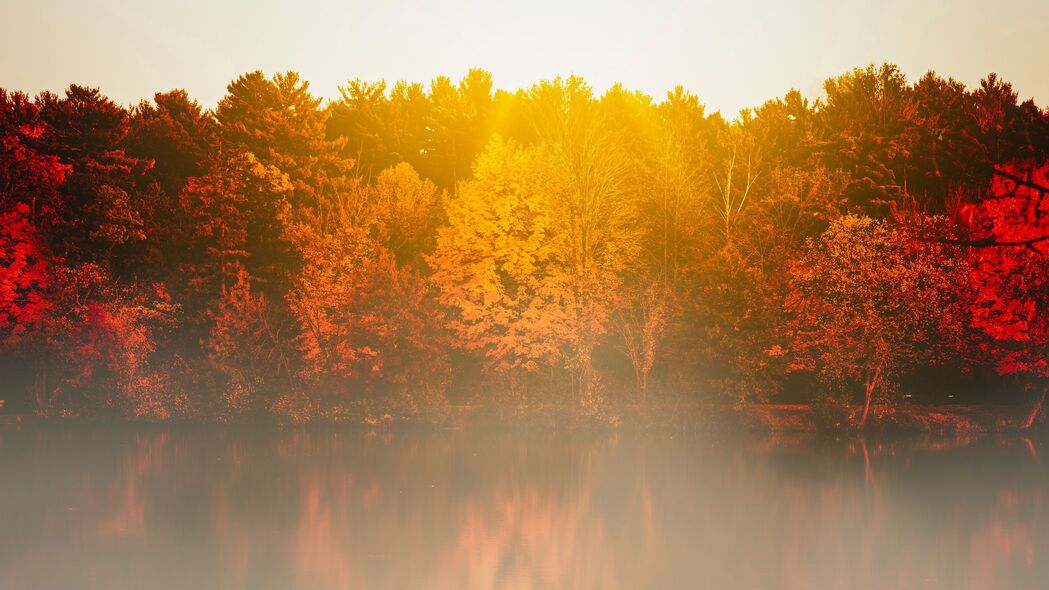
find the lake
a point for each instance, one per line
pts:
(124, 508)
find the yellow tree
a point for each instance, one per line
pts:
(406, 211)
(593, 212)
(668, 186)
(500, 262)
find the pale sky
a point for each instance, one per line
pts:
(732, 54)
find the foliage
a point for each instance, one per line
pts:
(868, 303)
(25, 274)
(408, 245)
(501, 264)
(245, 349)
(1008, 276)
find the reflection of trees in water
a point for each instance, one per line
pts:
(457, 516)
(332, 510)
(128, 514)
(526, 541)
(943, 513)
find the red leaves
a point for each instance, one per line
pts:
(24, 276)
(106, 337)
(302, 274)
(871, 301)
(1010, 282)
(27, 173)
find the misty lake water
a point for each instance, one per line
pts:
(125, 508)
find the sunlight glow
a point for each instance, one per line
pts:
(731, 54)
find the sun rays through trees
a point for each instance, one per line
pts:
(407, 248)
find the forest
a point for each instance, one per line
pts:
(407, 252)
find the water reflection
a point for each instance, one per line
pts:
(116, 509)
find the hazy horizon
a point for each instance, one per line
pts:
(731, 56)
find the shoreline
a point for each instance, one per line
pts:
(715, 418)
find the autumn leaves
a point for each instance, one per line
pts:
(407, 246)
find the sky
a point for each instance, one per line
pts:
(732, 54)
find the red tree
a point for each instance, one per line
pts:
(1010, 276)
(24, 276)
(29, 183)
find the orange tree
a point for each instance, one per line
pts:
(868, 302)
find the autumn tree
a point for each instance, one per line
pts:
(459, 123)
(743, 206)
(103, 215)
(666, 186)
(1007, 233)
(246, 350)
(439, 130)
(237, 271)
(869, 302)
(501, 262)
(30, 172)
(177, 137)
(869, 134)
(25, 277)
(176, 134)
(736, 171)
(593, 211)
(104, 337)
(363, 319)
(680, 183)
(367, 322)
(365, 119)
(281, 124)
(30, 202)
(235, 212)
(406, 211)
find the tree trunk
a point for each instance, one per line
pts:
(43, 402)
(644, 390)
(868, 472)
(866, 406)
(871, 387)
(1036, 410)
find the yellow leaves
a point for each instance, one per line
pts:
(776, 351)
(496, 260)
(406, 209)
(268, 176)
(532, 256)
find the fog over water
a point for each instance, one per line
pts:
(126, 508)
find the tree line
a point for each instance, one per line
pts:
(379, 256)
